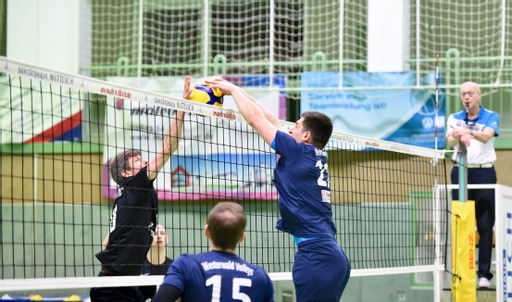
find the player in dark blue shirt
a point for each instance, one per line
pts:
(217, 275)
(321, 269)
(133, 220)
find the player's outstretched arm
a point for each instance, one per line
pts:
(171, 139)
(256, 115)
(268, 115)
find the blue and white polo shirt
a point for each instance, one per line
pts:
(477, 152)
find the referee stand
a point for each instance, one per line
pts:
(463, 239)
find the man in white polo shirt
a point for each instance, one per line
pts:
(476, 127)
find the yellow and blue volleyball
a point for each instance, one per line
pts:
(203, 93)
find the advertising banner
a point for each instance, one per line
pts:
(37, 113)
(503, 227)
(398, 115)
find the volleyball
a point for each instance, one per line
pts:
(203, 93)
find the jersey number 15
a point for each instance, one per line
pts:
(216, 282)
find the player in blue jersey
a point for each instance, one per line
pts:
(217, 275)
(476, 127)
(321, 269)
(133, 220)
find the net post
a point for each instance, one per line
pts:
(463, 173)
(438, 274)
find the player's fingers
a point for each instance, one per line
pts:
(186, 88)
(225, 86)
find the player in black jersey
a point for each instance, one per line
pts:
(133, 220)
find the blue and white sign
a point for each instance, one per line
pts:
(503, 231)
(398, 115)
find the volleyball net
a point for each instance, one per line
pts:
(60, 131)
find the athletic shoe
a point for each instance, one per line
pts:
(484, 283)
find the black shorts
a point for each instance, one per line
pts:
(121, 294)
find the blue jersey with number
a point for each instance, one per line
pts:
(302, 182)
(219, 276)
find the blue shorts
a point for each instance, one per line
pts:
(321, 270)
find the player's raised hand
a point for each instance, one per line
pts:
(187, 91)
(226, 86)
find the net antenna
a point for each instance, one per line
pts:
(435, 159)
(437, 97)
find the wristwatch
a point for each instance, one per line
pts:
(471, 132)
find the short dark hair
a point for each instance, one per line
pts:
(320, 127)
(121, 163)
(226, 222)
